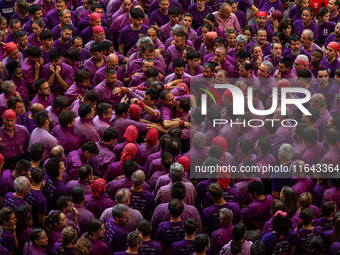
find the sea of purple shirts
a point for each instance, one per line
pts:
(156, 191)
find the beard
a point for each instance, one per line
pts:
(296, 52)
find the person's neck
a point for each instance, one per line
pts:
(132, 250)
(322, 109)
(200, 8)
(164, 13)
(18, 195)
(99, 61)
(134, 27)
(189, 237)
(307, 46)
(274, 58)
(21, 47)
(270, 135)
(330, 60)
(15, 174)
(199, 253)
(175, 219)
(319, 180)
(10, 131)
(192, 69)
(35, 163)
(309, 226)
(331, 146)
(36, 186)
(260, 153)
(261, 197)
(60, 177)
(146, 238)
(220, 201)
(62, 41)
(316, 66)
(137, 188)
(69, 245)
(322, 86)
(306, 24)
(334, 13)
(45, 48)
(222, 19)
(173, 23)
(284, 162)
(319, 22)
(310, 124)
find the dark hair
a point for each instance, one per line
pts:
(201, 241)
(246, 145)
(316, 246)
(32, 237)
(290, 201)
(327, 209)
(84, 110)
(178, 191)
(265, 144)
(60, 102)
(215, 152)
(12, 22)
(167, 160)
(50, 221)
(243, 54)
(137, 13)
(281, 225)
(46, 34)
(62, 202)
(174, 10)
(336, 121)
(152, 92)
(271, 127)
(73, 55)
(178, 62)
(40, 118)
(238, 234)
(191, 54)
(191, 225)
(310, 135)
(288, 62)
(152, 72)
(38, 83)
(133, 239)
(84, 172)
(247, 64)
(33, 8)
(257, 248)
(37, 150)
(106, 45)
(215, 190)
(37, 174)
(285, 23)
(175, 208)
(306, 216)
(300, 127)
(66, 117)
(210, 64)
(93, 226)
(174, 147)
(130, 166)
(122, 108)
(52, 167)
(314, 114)
(197, 115)
(78, 194)
(164, 140)
(213, 114)
(144, 227)
(336, 228)
(90, 147)
(33, 51)
(110, 134)
(95, 6)
(306, 74)
(12, 66)
(256, 186)
(103, 108)
(12, 101)
(96, 47)
(332, 135)
(22, 166)
(92, 96)
(22, 213)
(277, 205)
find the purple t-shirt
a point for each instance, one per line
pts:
(115, 236)
(142, 201)
(302, 242)
(7, 240)
(229, 195)
(38, 203)
(326, 225)
(183, 247)
(317, 193)
(150, 248)
(129, 37)
(170, 232)
(275, 245)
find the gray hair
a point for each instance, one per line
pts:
(302, 57)
(241, 39)
(147, 60)
(138, 178)
(143, 40)
(226, 216)
(310, 33)
(286, 151)
(122, 195)
(57, 151)
(20, 184)
(268, 65)
(118, 209)
(176, 172)
(7, 87)
(177, 28)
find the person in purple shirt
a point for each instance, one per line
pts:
(35, 14)
(64, 41)
(21, 169)
(276, 139)
(53, 16)
(71, 57)
(331, 63)
(35, 199)
(65, 19)
(306, 23)
(323, 87)
(80, 86)
(8, 238)
(160, 17)
(176, 50)
(112, 62)
(76, 159)
(222, 236)
(21, 12)
(15, 72)
(210, 215)
(14, 26)
(77, 43)
(44, 96)
(315, 150)
(36, 243)
(270, 6)
(332, 193)
(83, 127)
(14, 138)
(134, 242)
(302, 183)
(97, 60)
(325, 27)
(32, 66)
(331, 142)
(262, 146)
(328, 209)
(116, 235)
(128, 35)
(148, 246)
(295, 48)
(295, 12)
(46, 38)
(85, 174)
(186, 246)
(334, 13)
(60, 104)
(304, 233)
(22, 42)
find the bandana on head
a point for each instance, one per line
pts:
(228, 94)
(334, 45)
(129, 150)
(9, 47)
(9, 114)
(135, 111)
(94, 16)
(258, 14)
(152, 137)
(131, 134)
(224, 182)
(184, 161)
(221, 142)
(98, 187)
(301, 62)
(185, 87)
(2, 159)
(283, 84)
(97, 30)
(210, 36)
(200, 140)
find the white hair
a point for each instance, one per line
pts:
(20, 184)
(286, 150)
(302, 57)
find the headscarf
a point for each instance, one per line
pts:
(228, 94)
(97, 30)
(221, 142)
(131, 134)
(2, 159)
(98, 187)
(9, 47)
(334, 45)
(200, 140)
(94, 16)
(129, 150)
(9, 114)
(135, 111)
(151, 137)
(184, 161)
(210, 36)
(185, 87)
(283, 83)
(258, 14)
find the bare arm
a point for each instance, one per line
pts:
(121, 49)
(254, 10)
(61, 82)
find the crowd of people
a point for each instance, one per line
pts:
(103, 126)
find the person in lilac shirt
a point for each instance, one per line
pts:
(60, 104)
(102, 121)
(21, 169)
(14, 26)
(46, 38)
(22, 42)
(64, 41)
(306, 23)
(80, 86)
(295, 48)
(276, 139)
(332, 193)
(44, 96)
(14, 138)
(148, 245)
(315, 150)
(45, 6)
(85, 174)
(310, 120)
(160, 17)
(297, 141)
(112, 62)
(210, 215)
(32, 66)
(334, 13)
(328, 210)
(53, 16)
(97, 60)
(332, 138)
(36, 243)
(8, 236)
(295, 12)
(71, 57)
(330, 63)
(16, 75)
(176, 50)
(103, 159)
(165, 30)
(116, 235)
(322, 21)
(77, 43)
(198, 11)
(127, 38)
(186, 246)
(222, 236)
(323, 87)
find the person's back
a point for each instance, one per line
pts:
(237, 246)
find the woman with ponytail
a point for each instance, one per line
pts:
(82, 247)
(278, 241)
(37, 242)
(95, 233)
(328, 209)
(331, 236)
(316, 246)
(22, 213)
(8, 238)
(237, 246)
(21, 12)
(305, 201)
(304, 233)
(53, 225)
(68, 239)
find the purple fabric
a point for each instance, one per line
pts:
(53, 190)
(325, 30)
(269, 30)
(104, 158)
(313, 153)
(129, 37)
(276, 141)
(44, 100)
(198, 16)
(84, 55)
(142, 201)
(62, 46)
(87, 34)
(28, 27)
(326, 225)
(100, 75)
(56, 250)
(159, 18)
(296, 216)
(242, 186)
(332, 194)
(104, 89)
(66, 74)
(136, 66)
(113, 171)
(318, 192)
(14, 147)
(295, 14)
(97, 205)
(267, 228)
(321, 123)
(184, 247)
(331, 67)
(302, 185)
(99, 247)
(140, 156)
(7, 240)
(66, 138)
(34, 249)
(85, 131)
(41, 135)
(101, 124)
(74, 90)
(120, 123)
(57, 32)
(164, 194)
(54, 20)
(150, 248)
(229, 195)
(86, 185)
(276, 244)
(281, 178)
(38, 203)
(269, 7)
(12, 201)
(83, 216)
(220, 237)
(170, 232)
(53, 115)
(258, 210)
(302, 242)
(312, 26)
(28, 72)
(92, 67)
(74, 161)
(9, 178)
(53, 237)
(115, 236)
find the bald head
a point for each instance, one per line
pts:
(36, 108)
(224, 6)
(318, 100)
(223, 50)
(138, 178)
(123, 196)
(57, 151)
(112, 61)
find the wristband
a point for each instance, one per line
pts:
(140, 87)
(166, 87)
(141, 104)
(131, 76)
(121, 89)
(181, 123)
